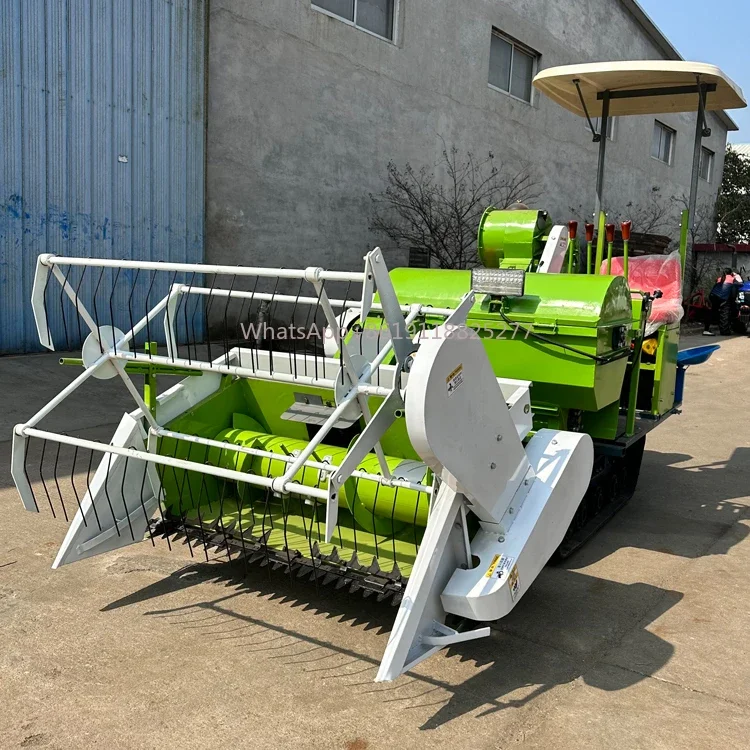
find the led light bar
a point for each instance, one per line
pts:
(499, 282)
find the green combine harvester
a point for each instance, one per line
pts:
(430, 437)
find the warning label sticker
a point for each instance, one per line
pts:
(455, 379)
(499, 566)
(513, 583)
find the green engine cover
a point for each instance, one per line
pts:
(525, 336)
(512, 238)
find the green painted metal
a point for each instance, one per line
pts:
(375, 507)
(375, 520)
(600, 242)
(684, 230)
(576, 310)
(625, 257)
(512, 238)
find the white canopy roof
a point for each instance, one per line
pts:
(635, 75)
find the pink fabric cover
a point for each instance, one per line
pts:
(647, 273)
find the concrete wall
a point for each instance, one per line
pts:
(304, 113)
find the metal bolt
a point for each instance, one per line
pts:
(510, 510)
(526, 409)
(554, 442)
(501, 539)
(526, 482)
(499, 438)
(493, 466)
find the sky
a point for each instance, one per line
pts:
(715, 32)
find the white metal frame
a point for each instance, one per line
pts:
(374, 278)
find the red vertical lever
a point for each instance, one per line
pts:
(625, 229)
(610, 229)
(589, 232)
(573, 229)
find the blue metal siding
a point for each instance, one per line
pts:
(102, 113)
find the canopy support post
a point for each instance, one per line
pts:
(602, 153)
(701, 131)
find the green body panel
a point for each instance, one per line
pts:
(246, 411)
(377, 521)
(577, 311)
(512, 239)
(665, 370)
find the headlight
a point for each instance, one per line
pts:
(499, 282)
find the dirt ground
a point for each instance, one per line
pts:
(639, 641)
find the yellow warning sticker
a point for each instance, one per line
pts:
(493, 565)
(455, 379)
(499, 566)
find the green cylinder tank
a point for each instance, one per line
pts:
(375, 507)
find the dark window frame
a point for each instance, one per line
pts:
(332, 14)
(664, 128)
(707, 152)
(523, 49)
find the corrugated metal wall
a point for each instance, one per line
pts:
(101, 140)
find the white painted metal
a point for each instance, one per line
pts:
(199, 268)
(119, 503)
(453, 392)
(41, 278)
(460, 425)
(440, 553)
(555, 250)
(95, 346)
(562, 464)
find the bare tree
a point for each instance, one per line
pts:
(437, 210)
(651, 216)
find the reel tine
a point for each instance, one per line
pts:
(88, 489)
(26, 473)
(73, 485)
(106, 494)
(143, 507)
(122, 495)
(57, 482)
(179, 500)
(41, 476)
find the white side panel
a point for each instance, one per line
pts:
(508, 565)
(421, 609)
(41, 276)
(119, 503)
(555, 250)
(457, 418)
(18, 471)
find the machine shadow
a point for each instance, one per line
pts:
(564, 626)
(677, 510)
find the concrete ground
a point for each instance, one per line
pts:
(639, 641)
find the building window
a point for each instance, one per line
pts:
(597, 123)
(706, 169)
(662, 143)
(511, 66)
(375, 16)
(419, 257)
